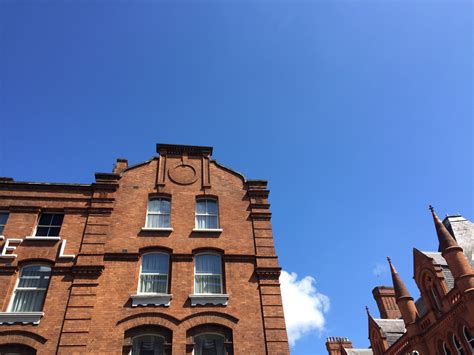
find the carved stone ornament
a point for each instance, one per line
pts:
(183, 174)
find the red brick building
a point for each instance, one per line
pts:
(173, 255)
(441, 321)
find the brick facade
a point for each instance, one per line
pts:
(88, 306)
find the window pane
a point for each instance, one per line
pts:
(153, 283)
(164, 221)
(45, 219)
(3, 220)
(28, 301)
(212, 207)
(54, 231)
(57, 219)
(211, 222)
(148, 345)
(153, 205)
(201, 206)
(35, 276)
(165, 206)
(201, 222)
(42, 231)
(210, 264)
(209, 344)
(157, 263)
(152, 221)
(208, 284)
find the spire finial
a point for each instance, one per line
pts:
(392, 268)
(398, 285)
(444, 237)
(431, 208)
(367, 310)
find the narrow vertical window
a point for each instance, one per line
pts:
(469, 338)
(30, 290)
(3, 221)
(154, 273)
(208, 274)
(458, 345)
(446, 349)
(207, 214)
(158, 213)
(49, 225)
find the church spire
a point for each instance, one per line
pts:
(403, 298)
(445, 238)
(454, 255)
(400, 288)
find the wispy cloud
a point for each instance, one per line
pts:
(380, 269)
(304, 306)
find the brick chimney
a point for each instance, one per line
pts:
(336, 345)
(387, 302)
(120, 166)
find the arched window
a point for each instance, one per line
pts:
(147, 340)
(148, 344)
(207, 214)
(30, 290)
(446, 349)
(16, 349)
(208, 274)
(469, 338)
(458, 345)
(154, 272)
(209, 344)
(210, 339)
(158, 213)
(432, 292)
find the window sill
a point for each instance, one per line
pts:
(43, 238)
(207, 230)
(20, 317)
(204, 299)
(148, 229)
(153, 299)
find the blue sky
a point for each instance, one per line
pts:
(359, 113)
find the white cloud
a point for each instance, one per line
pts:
(380, 269)
(304, 306)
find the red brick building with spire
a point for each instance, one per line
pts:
(174, 255)
(441, 321)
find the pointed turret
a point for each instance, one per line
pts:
(454, 255)
(403, 298)
(400, 288)
(445, 238)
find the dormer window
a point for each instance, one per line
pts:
(207, 214)
(158, 213)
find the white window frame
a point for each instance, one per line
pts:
(206, 214)
(208, 274)
(139, 292)
(459, 349)
(446, 349)
(12, 298)
(49, 237)
(469, 341)
(148, 212)
(3, 225)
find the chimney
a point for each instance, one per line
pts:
(120, 166)
(336, 345)
(386, 301)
